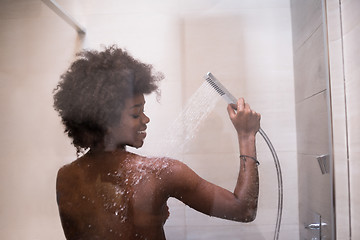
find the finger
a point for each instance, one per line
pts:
(241, 104)
(257, 115)
(231, 111)
(234, 106)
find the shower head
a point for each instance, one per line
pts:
(219, 88)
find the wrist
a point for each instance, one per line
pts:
(245, 157)
(248, 137)
(247, 144)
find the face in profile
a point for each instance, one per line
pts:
(130, 130)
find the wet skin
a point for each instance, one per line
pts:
(118, 197)
(112, 194)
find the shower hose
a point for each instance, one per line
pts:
(280, 184)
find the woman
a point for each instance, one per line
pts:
(109, 193)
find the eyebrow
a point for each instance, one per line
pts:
(138, 105)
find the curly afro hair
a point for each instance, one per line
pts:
(91, 93)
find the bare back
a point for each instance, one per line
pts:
(113, 196)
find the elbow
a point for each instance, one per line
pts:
(251, 211)
(250, 216)
(245, 211)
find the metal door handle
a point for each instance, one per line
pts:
(315, 226)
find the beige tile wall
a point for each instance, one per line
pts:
(344, 31)
(313, 113)
(339, 121)
(351, 34)
(246, 44)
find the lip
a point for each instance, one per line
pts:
(142, 133)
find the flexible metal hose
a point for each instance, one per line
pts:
(280, 183)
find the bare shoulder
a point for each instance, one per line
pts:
(69, 179)
(179, 169)
(179, 178)
(69, 172)
(168, 167)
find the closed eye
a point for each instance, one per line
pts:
(137, 115)
(137, 111)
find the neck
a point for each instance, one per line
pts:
(108, 149)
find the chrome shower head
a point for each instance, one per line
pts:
(219, 88)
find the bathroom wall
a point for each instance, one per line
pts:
(342, 52)
(351, 49)
(344, 31)
(313, 112)
(312, 100)
(246, 44)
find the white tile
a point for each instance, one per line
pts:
(355, 193)
(314, 188)
(352, 74)
(220, 169)
(19, 9)
(29, 228)
(308, 17)
(289, 231)
(175, 232)
(351, 19)
(313, 125)
(333, 19)
(268, 197)
(310, 71)
(177, 214)
(239, 231)
(342, 207)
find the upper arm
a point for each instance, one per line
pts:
(185, 185)
(66, 183)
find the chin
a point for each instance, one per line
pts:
(137, 145)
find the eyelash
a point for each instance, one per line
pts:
(136, 115)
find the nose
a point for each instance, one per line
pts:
(145, 119)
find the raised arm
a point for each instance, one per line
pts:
(241, 205)
(247, 124)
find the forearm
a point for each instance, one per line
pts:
(247, 187)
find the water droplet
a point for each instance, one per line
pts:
(185, 126)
